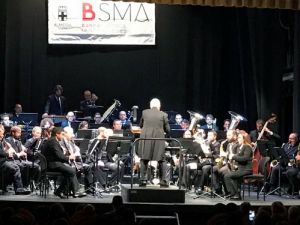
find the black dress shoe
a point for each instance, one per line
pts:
(59, 194)
(163, 184)
(198, 191)
(22, 191)
(236, 197)
(228, 196)
(143, 184)
(80, 194)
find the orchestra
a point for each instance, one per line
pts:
(210, 157)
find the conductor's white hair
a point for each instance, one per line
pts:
(155, 103)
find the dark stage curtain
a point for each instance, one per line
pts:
(296, 91)
(206, 59)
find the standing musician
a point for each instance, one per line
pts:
(9, 168)
(70, 148)
(154, 124)
(56, 103)
(268, 138)
(243, 161)
(58, 162)
(27, 167)
(290, 153)
(228, 149)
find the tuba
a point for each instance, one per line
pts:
(195, 118)
(235, 120)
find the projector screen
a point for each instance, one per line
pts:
(100, 22)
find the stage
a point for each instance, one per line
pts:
(202, 201)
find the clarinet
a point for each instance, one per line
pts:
(68, 152)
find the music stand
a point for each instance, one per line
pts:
(282, 158)
(85, 133)
(96, 146)
(120, 146)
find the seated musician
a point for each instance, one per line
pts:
(88, 104)
(228, 149)
(192, 157)
(46, 122)
(28, 169)
(70, 117)
(241, 167)
(293, 171)
(210, 123)
(34, 143)
(58, 162)
(105, 161)
(9, 168)
(70, 148)
(290, 153)
(212, 147)
(126, 124)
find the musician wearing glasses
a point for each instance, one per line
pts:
(242, 166)
(282, 163)
(293, 172)
(28, 169)
(154, 124)
(210, 123)
(10, 167)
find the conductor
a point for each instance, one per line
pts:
(154, 124)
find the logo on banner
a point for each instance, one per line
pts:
(62, 13)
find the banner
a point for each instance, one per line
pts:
(100, 22)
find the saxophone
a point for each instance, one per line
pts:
(221, 161)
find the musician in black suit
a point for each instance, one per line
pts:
(213, 147)
(268, 139)
(8, 167)
(107, 160)
(228, 148)
(56, 103)
(70, 147)
(28, 169)
(242, 166)
(58, 162)
(210, 123)
(126, 124)
(290, 153)
(88, 105)
(154, 124)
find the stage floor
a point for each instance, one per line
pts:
(106, 198)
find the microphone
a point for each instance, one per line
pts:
(134, 113)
